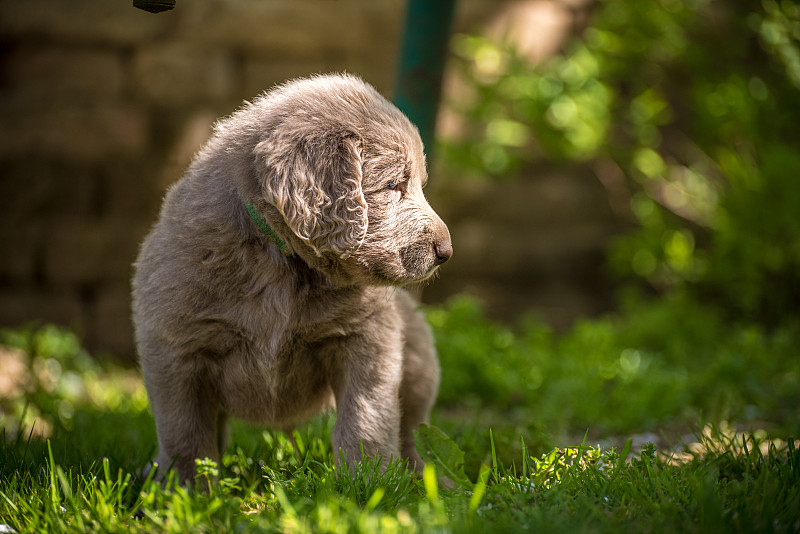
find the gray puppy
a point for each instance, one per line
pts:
(268, 288)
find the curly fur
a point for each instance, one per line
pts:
(227, 325)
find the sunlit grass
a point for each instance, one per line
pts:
(510, 457)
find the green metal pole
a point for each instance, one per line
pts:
(422, 55)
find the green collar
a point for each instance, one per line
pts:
(265, 229)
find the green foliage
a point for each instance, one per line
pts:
(669, 362)
(52, 372)
(54, 376)
(695, 102)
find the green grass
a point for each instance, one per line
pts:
(520, 409)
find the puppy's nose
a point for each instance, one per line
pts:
(444, 251)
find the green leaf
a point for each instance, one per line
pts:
(436, 447)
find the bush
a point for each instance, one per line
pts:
(654, 364)
(695, 102)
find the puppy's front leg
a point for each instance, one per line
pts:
(188, 418)
(367, 388)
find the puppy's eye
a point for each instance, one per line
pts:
(397, 186)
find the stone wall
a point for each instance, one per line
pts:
(102, 106)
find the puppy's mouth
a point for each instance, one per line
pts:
(424, 278)
(418, 261)
(402, 279)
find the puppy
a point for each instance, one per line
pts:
(270, 286)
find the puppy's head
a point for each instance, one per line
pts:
(345, 169)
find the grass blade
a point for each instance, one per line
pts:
(495, 466)
(54, 498)
(479, 489)
(623, 456)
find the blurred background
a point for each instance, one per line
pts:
(589, 153)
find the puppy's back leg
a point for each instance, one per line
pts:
(223, 431)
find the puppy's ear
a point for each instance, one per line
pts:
(315, 183)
